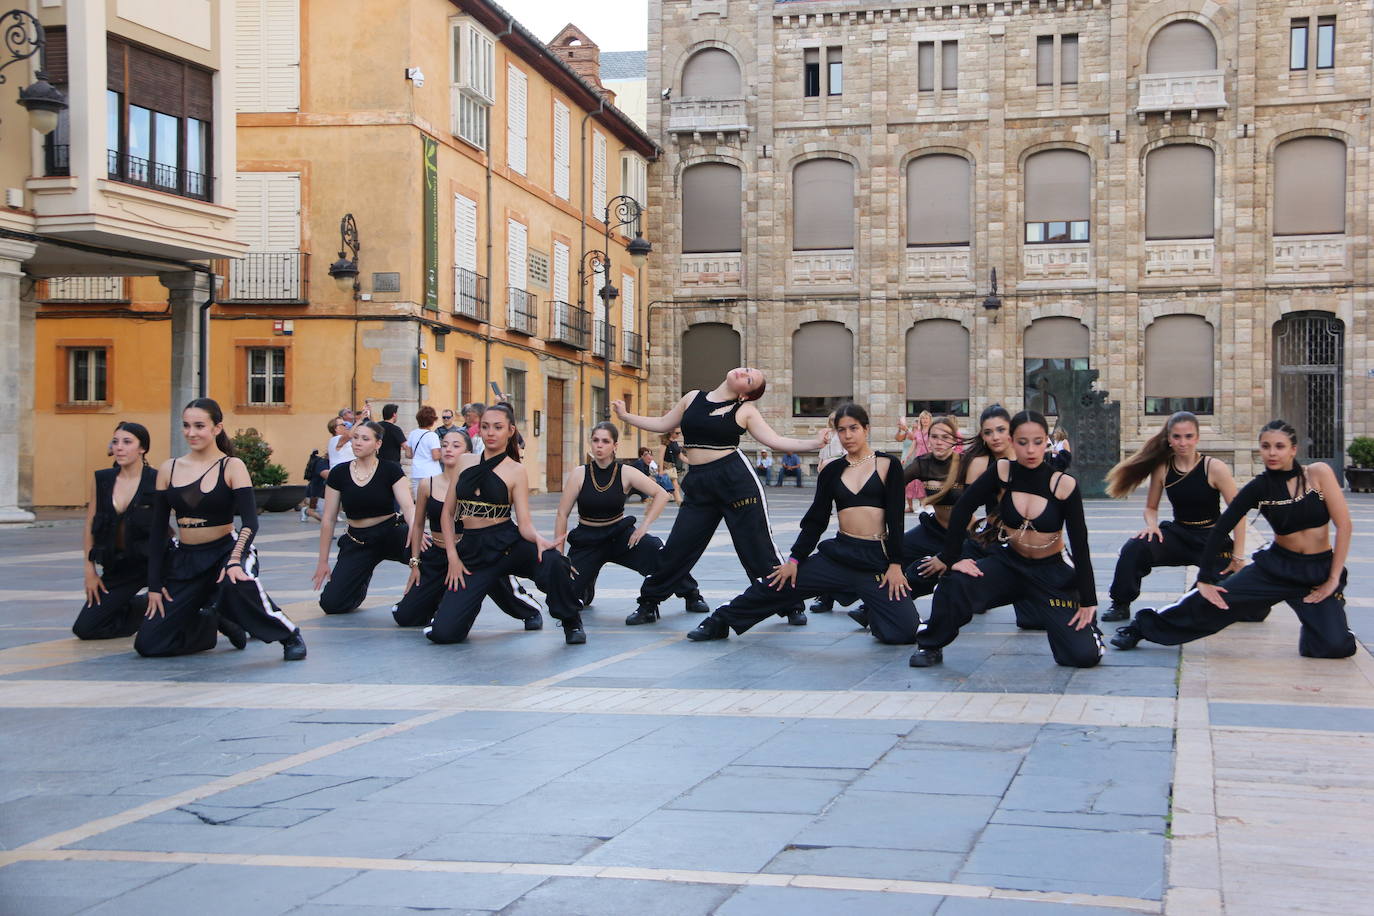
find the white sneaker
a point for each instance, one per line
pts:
(304, 517)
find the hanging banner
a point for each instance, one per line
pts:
(431, 166)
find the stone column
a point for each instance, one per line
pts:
(187, 291)
(16, 409)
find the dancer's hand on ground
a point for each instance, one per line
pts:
(1213, 594)
(155, 600)
(94, 587)
(411, 579)
(1322, 592)
(456, 572)
(894, 580)
(783, 576)
(321, 576)
(1151, 533)
(933, 566)
(1085, 616)
(968, 567)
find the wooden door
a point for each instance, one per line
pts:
(553, 436)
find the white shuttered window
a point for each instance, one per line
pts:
(267, 62)
(464, 233)
(559, 289)
(269, 223)
(517, 255)
(627, 301)
(517, 97)
(562, 159)
(598, 175)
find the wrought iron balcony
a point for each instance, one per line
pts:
(160, 177)
(471, 296)
(569, 325)
(267, 276)
(85, 289)
(522, 311)
(632, 348)
(602, 336)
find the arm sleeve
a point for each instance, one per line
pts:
(975, 495)
(894, 498)
(394, 472)
(817, 518)
(1210, 564)
(157, 538)
(1060, 461)
(1077, 528)
(246, 508)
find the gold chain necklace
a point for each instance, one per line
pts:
(853, 464)
(596, 486)
(353, 472)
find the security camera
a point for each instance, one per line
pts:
(416, 76)
(667, 93)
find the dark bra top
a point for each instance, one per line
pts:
(434, 508)
(481, 492)
(215, 507)
(1289, 514)
(598, 500)
(702, 429)
(932, 472)
(1195, 501)
(1036, 482)
(870, 494)
(115, 534)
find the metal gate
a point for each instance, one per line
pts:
(1309, 350)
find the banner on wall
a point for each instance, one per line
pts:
(431, 166)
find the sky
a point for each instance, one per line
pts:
(615, 25)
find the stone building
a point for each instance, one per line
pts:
(1172, 193)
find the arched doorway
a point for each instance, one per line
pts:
(1309, 373)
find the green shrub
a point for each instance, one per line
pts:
(1361, 451)
(255, 452)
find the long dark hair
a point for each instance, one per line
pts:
(849, 409)
(974, 446)
(512, 449)
(211, 406)
(609, 427)
(1130, 472)
(139, 432)
(1283, 426)
(1029, 416)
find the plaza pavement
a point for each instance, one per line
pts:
(797, 770)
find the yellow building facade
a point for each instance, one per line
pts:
(475, 168)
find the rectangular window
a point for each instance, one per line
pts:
(1035, 398)
(463, 381)
(834, 71)
(634, 182)
(1326, 42)
(267, 55)
(598, 174)
(938, 408)
(811, 73)
(473, 76)
(817, 407)
(517, 91)
(949, 65)
(599, 411)
(925, 66)
(267, 376)
(158, 121)
(1044, 60)
(515, 391)
(562, 153)
(1057, 231)
(1068, 60)
(86, 379)
(1297, 45)
(1163, 407)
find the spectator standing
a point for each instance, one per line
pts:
(424, 448)
(340, 443)
(790, 466)
(446, 423)
(393, 437)
(918, 443)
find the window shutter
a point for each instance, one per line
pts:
(283, 211)
(517, 255)
(281, 55)
(937, 361)
(248, 56)
(1179, 357)
(949, 65)
(55, 56)
(823, 205)
(1309, 186)
(1057, 185)
(250, 223)
(711, 73)
(925, 66)
(562, 159)
(711, 215)
(1182, 47)
(938, 200)
(516, 98)
(708, 352)
(464, 233)
(598, 175)
(598, 284)
(1056, 338)
(1179, 197)
(156, 82)
(826, 350)
(559, 290)
(627, 303)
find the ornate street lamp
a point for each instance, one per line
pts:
(24, 37)
(345, 269)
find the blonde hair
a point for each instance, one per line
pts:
(956, 461)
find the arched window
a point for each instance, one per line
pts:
(1052, 344)
(1309, 186)
(1180, 192)
(1182, 47)
(822, 368)
(822, 205)
(712, 195)
(1058, 196)
(712, 73)
(937, 368)
(937, 200)
(708, 352)
(1178, 365)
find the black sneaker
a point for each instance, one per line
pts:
(535, 621)
(927, 658)
(293, 647)
(236, 635)
(647, 612)
(1127, 637)
(822, 606)
(859, 616)
(796, 618)
(696, 604)
(573, 634)
(1118, 611)
(710, 628)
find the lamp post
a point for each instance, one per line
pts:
(345, 269)
(24, 37)
(621, 210)
(993, 302)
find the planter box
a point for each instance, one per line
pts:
(1361, 480)
(279, 499)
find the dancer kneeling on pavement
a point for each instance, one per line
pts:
(1038, 504)
(489, 491)
(429, 560)
(207, 579)
(369, 489)
(1301, 503)
(604, 533)
(865, 558)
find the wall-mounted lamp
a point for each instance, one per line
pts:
(24, 37)
(993, 302)
(1115, 135)
(1243, 131)
(345, 270)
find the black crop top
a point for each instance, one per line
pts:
(932, 472)
(1065, 513)
(214, 507)
(888, 495)
(434, 506)
(123, 535)
(1194, 500)
(703, 429)
(372, 499)
(601, 500)
(1285, 513)
(481, 492)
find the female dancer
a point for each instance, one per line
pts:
(1195, 485)
(919, 444)
(488, 491)
(865, 558)
(368, 489)
(116, 539)
(208, 573)
(945, 475)
(720, 485)
(429, 561)
(1038, 504)
(604, 533)
(1301, 503)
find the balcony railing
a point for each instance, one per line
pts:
(707, 115)
(85, 289)
(724, 269)
(1192, 91)
(1310, 254)
(160, 177)
(57, 159)
(602, 336)
(267, 276)
(939, 264)
(471, 297)
(522, 311)
(569, 325)
(632, 348)
(822, 268)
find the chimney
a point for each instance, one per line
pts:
(575, 49)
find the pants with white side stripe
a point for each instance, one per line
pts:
(417, 606)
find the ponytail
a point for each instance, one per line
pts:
(211, 406)
(1129, 473)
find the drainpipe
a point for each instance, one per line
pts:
(582, 223)
(203, 341)
(491, 295)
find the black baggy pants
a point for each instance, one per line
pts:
(361, 551)
(925, 539)
(1046, 589)
(119, 609)
(1274, 575)
(491, 555)
(417, 606)
(842, 564)
(1182, 546)
(591, 547)
(189, 623)
(723, 490)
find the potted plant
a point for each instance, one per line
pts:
(1360, 474)
(268, 478)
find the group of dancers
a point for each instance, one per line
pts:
(1003, 510)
